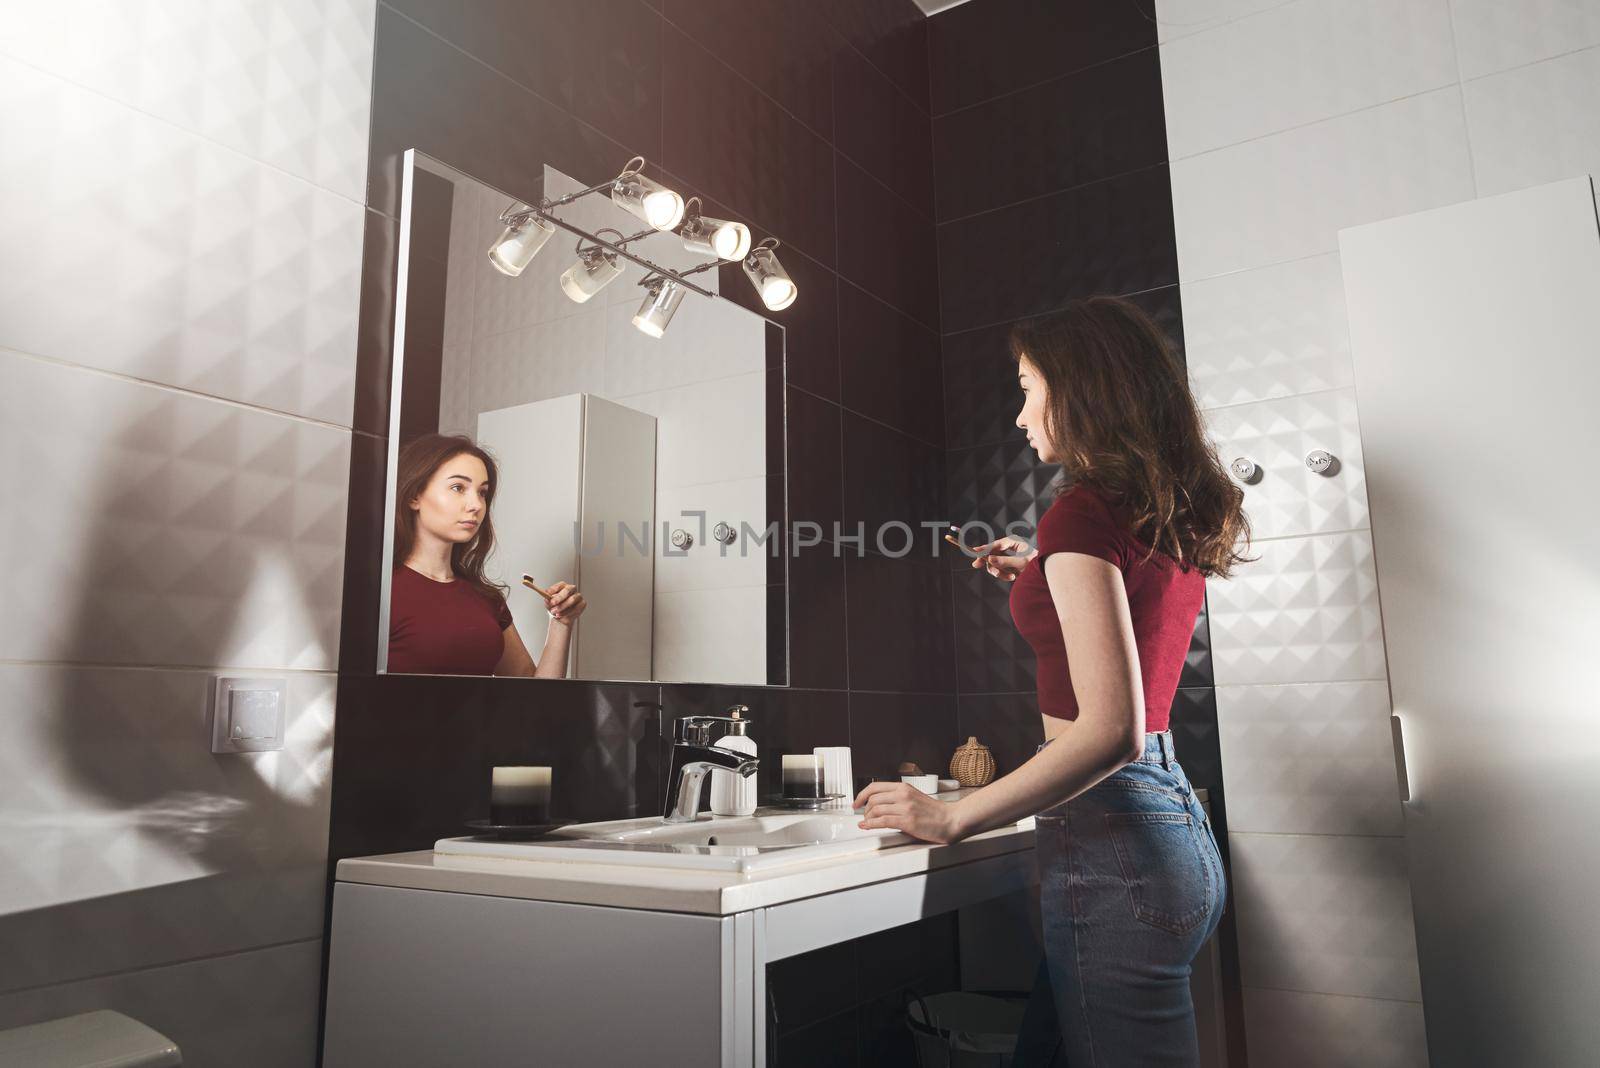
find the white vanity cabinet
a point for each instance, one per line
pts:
(453, 960)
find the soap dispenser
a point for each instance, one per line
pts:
(731, 794)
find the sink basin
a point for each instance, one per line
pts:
(712, 843)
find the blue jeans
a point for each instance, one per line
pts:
(1130, 887)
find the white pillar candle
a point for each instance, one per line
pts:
(802, 775)
(519, 795)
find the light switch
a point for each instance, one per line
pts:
(247, 715)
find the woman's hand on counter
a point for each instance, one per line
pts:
(902, 807)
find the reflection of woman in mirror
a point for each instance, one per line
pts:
(445, 616)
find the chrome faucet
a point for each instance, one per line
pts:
(692, 756)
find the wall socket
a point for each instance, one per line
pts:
(247, 715)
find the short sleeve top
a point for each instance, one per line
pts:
(443, 628)
(1164, 600)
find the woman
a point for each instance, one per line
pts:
(1131, 883)
(445, 616)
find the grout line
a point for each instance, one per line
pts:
(72, 365)
(1531, 63)
(1329, 994)
(1461, 95)
(1312, 534)
(97, 976)
(1275, 397)
(1057, 307)
(1053, 193)
(1062, 76)
(1227, 21)
(214, 669)
(1334, 252)
(1263, 685)
(1314, 122)
(861, 415)
(206, 138)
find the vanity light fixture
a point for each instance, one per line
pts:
(524, 235)
(713, 237)
(772, 282)
(649, 201)
(662, 297)
(596, 268)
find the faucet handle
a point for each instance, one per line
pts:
(696, 730)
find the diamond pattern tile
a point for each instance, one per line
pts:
(1287, 196)
(1270, 332)
(1321, 58)
(991, 656)
(127, 844)
(998, 484)
(1329, 1031)
(244, 1010)
(1325, 914)
(1305, 611)
(202, 533)
(1536, 124)
(1194, 735)
(1290, 499)
(286, 82)
(1313, 758)
(1197, 662)
(196, 267)
(1492, 36)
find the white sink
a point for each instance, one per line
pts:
(711, 843)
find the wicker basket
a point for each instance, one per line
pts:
(973, 764)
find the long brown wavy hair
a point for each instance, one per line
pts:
(1120, 416)
(420, 460)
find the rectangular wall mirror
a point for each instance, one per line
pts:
(645, 472)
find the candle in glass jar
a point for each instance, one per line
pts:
(519, 795)
(802, 775)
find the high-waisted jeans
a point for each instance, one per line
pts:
(1130, 887)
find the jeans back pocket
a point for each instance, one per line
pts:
(1169, 882)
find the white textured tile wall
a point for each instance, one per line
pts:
(1301, 63)
(185, 183)
(1492, 35)
(1287, 196)
(127, 843)
(1269, 332)
(137, 247)
(1536, 124)
(709, 636)
(709, 431)
(1288, 122)
(1290, 498)
(245, 1010)
(1315, 758)
(1306, 610)
(1325, 914)
(708, 564)
(1331, 1031)
(178, 530)
(285, 82)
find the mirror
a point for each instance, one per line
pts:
(629, 467)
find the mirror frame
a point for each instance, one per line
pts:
(776, 346)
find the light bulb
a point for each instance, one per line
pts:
(660, 304)
(516, 246)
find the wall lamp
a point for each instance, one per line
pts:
(527, 229)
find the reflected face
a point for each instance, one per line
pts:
(1034, 402)
(455, 501)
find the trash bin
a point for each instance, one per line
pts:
(966, 1029)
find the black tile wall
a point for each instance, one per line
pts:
(1113, 236)
(1080, 128)
(888, 370)
(886, 246)
(739, 146)
(889, 477)
(881, 130)
(891, 34)
(978, 51)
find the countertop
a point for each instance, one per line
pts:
(675, 889)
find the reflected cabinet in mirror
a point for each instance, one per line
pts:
(586, 444)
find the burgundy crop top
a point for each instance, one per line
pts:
(1163, 599)
(443, 628)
